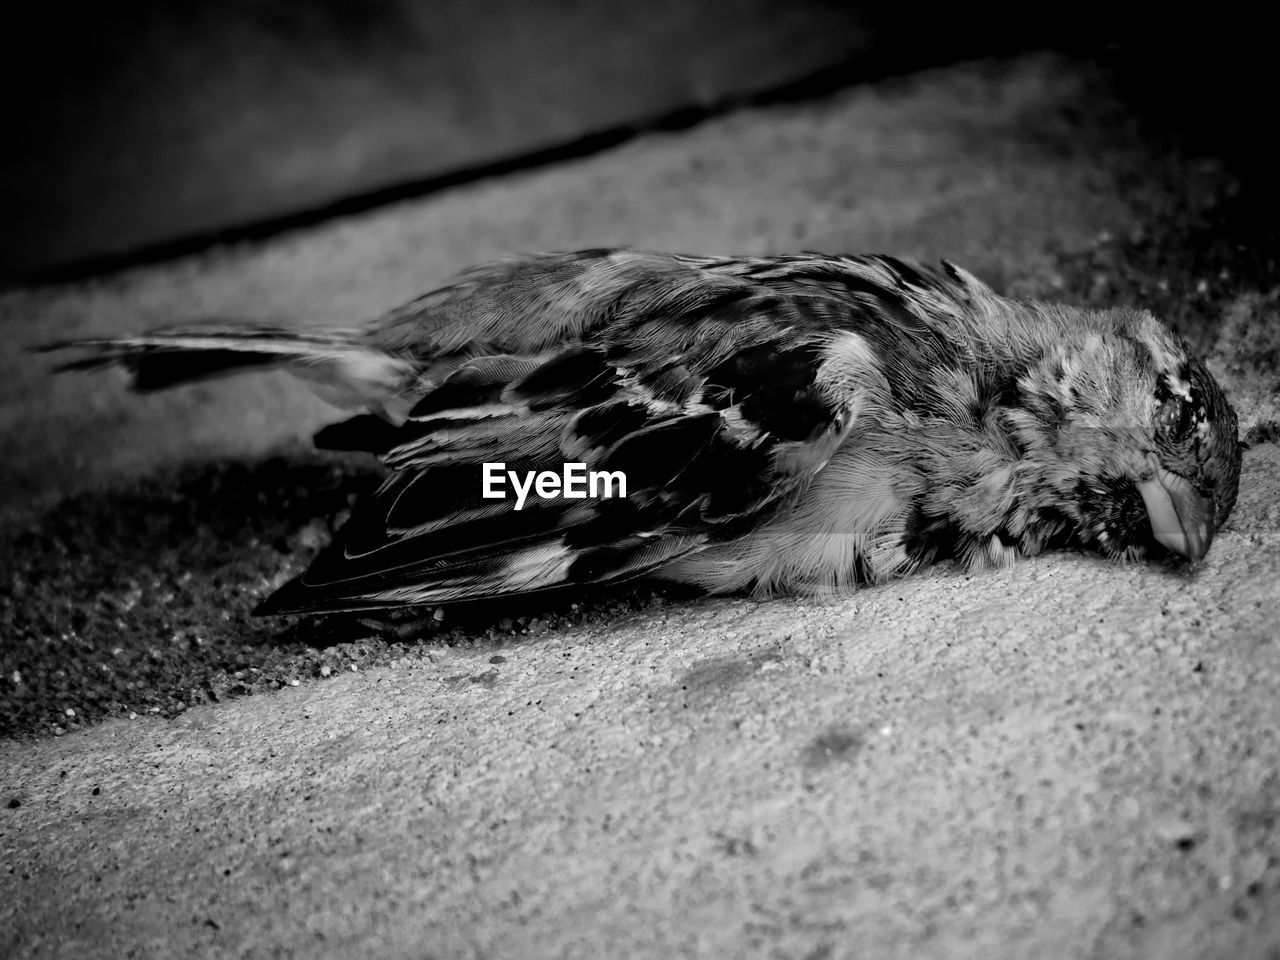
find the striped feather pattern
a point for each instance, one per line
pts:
(795, 422)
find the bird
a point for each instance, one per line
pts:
(802, 423)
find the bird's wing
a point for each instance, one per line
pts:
(532, 303)
(716, 395)
(535, 302)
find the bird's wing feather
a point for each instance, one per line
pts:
(532, 303)
(718, 396)
(340, 366)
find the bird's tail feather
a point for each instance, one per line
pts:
(336, 363)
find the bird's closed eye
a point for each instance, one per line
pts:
(1179, 413)
(1174, 419)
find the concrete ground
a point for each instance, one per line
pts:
(1068, 759)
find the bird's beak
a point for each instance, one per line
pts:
(1180, 518)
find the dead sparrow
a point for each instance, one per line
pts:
(781, 423)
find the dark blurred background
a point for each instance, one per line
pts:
(147, 127)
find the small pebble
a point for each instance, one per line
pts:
(326, 670)
(14, 803)
(498, 658)
(438, 615)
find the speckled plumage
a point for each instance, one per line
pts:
(785, 423)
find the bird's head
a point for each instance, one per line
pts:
(1139, 442)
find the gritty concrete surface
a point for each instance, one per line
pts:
(1068, 759)
(924, 770)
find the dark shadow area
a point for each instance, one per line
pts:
(1200, 87)
(148, 130)
(138, 600)
(872, 68)
(1186, 265)
(1208, 82)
